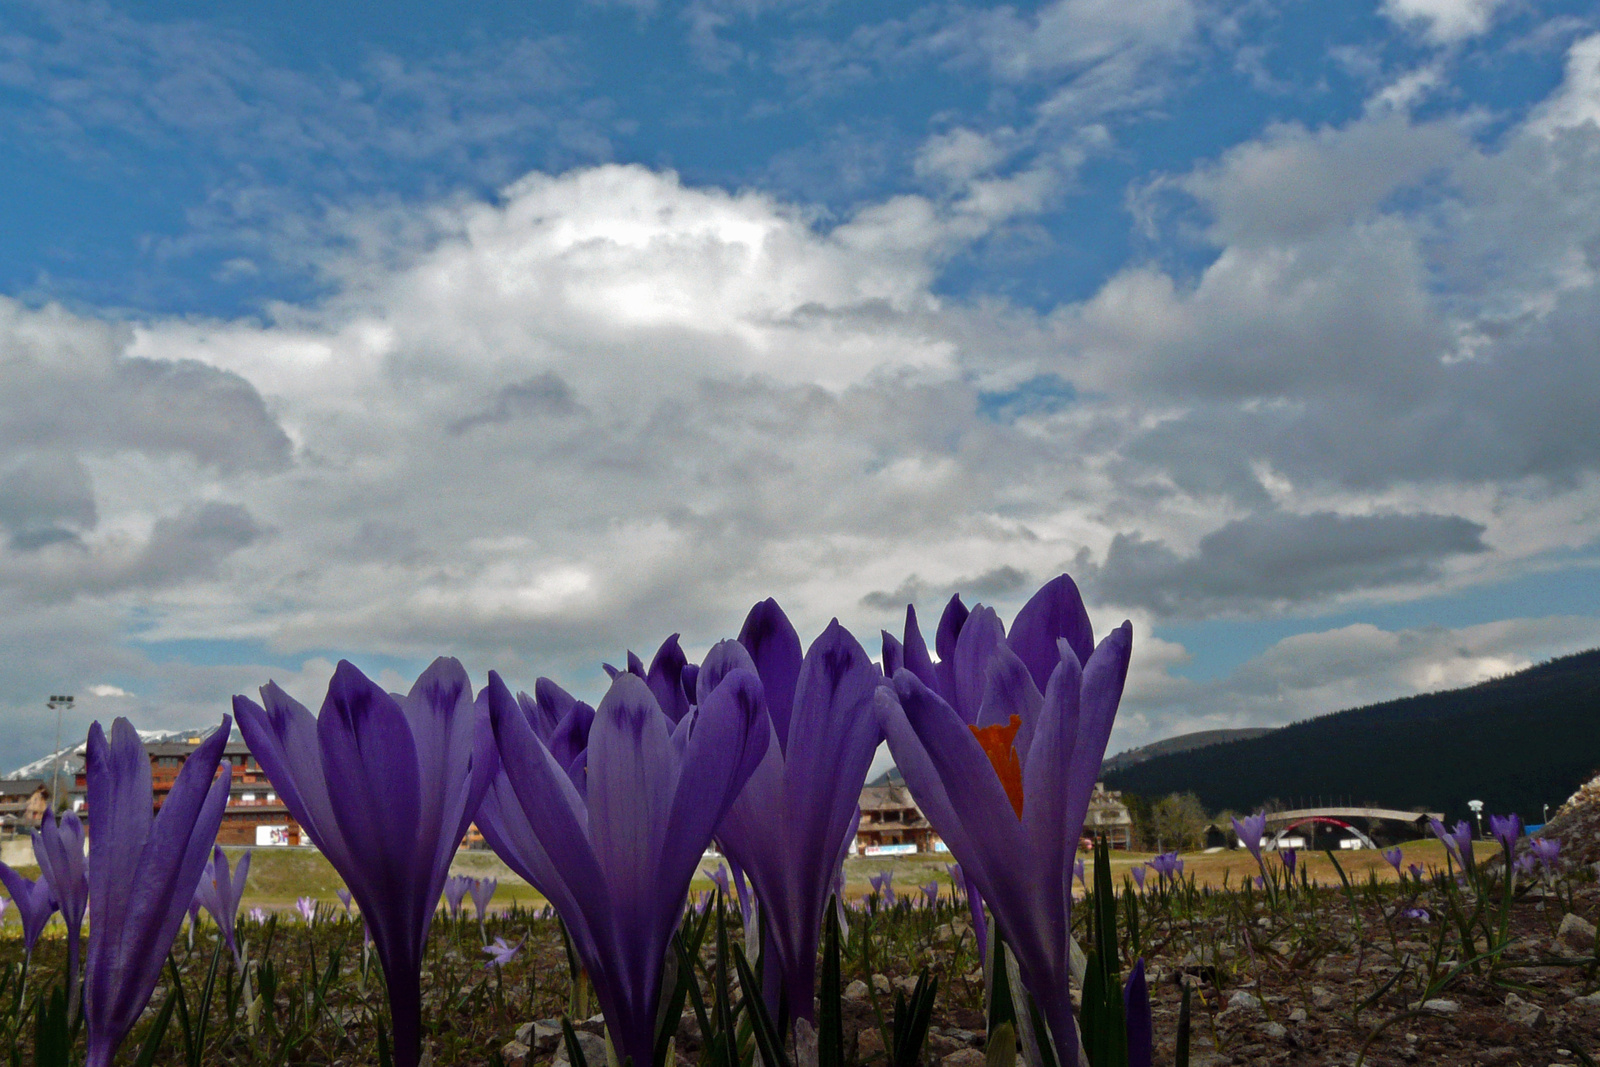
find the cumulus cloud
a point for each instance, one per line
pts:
(610, 403)
(1444, 21)
(1276, 559)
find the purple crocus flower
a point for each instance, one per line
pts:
(482, 890)
(307, 908)
(1138, 876)
(883, 887)
(1251, 829)
(1009, 791)
(1289, 857)
(344, 899)
(719, 878)
(791, 827)
(1078, 869)
(1506, 829)
(1548, 851)
(1458, 841)
(385, 787)
(1167, 865)
(258, 915)
(35, 904)
(615, 854)
(930, 894)
(1415, 870)
(1138, 1020)
(219, 894)
(500, 953)
(1395, 858)
(455, 891)
(59, 849)
(143, 869)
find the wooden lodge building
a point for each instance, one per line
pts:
(892, 823)
(254, 815)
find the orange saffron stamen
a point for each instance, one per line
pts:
(997, 745)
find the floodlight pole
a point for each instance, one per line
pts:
(58, 704)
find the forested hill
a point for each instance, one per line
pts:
(1516, 743)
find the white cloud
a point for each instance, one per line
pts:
(610, 404)
(104, 690)
(1444, 22)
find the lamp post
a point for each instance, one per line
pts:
(58, 704)
(1477, 811)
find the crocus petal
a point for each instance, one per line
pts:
(774, 646)
(724, 657)
(915, 652)
(369, 761)
(951, 623)
(553, 701)
(665, 679)
(1009, 690)
(633, 776)
(950, 775)
(443, 727)
(893, 653)
(1056, 611)
(282, 736)
(982, 636)
(1048, 779)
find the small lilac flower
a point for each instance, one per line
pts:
(482, 890)
(1395, 858)
(143, 868)
(1548, 851)
(59, 849)
(1506, 829)
(258, 915)
(930, 894)
(307, 908)
(1415, 870)
(344, 899)
(35, 904)
(719, 878)
(1289, 857)
(1138, 875)
(220, 895)
(385, 786)
(1167, 865)
(1525, 864)
(1251, 829)
(1078, 872)
(1419, 914)
(500, 953)
(1458, 841)
(883, 887)
(455, 891)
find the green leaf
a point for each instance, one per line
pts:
(158, 1030)
(574, 1050)
(830, 994)
(768, 1040)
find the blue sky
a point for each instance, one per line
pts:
(535, 332)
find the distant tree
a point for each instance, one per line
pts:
(1139, 812)
(1178, 821)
